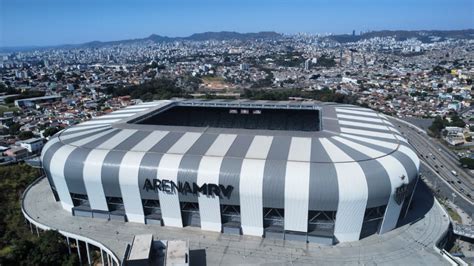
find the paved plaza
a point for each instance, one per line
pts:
(410, 244)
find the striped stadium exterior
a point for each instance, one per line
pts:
(350, 179)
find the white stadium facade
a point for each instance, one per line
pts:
(317, 172)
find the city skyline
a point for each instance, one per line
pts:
(44, 23)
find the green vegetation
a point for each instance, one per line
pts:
(50, 248)
(266, 82)
(289, 59)
(456, 121)
(454, 215)
(50, 131)
(157, 89)
(467, 162)
(440, 123)
(439, 70)
(18, 246)
(212, 79)
(455, 248)
(325, 61)
(25, 95)
(21, 95)
(4, 109)
(164, 88)
(13, 129)
(324, 95)
(25, 135)
(7, 90)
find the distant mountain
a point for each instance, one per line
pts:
(426, 36)
(231, 35)
(205, 36)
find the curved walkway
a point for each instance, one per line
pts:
(410, 244)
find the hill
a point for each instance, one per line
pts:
(205, 36)
(426, 36)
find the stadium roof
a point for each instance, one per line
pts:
(366, 141)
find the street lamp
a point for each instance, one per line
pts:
(454, 195)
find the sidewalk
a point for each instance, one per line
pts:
(410, 244)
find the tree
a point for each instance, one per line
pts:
(326, 61)
(59, 75)
(13, 180)
(161, 88)
(467, 162)
(50, 249)
(456, 121)
(14, 129)
(25, 135)
(7, 89)
(437, 125)
(18, 246)
(50, 131)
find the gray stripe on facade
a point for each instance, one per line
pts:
(148, 170)
(189, 165)
(331, 125)
(111, 166)
(404, 159)
(323, 187)
(379, 123)
(167, 142)
(151, 160)
(362, 115)
(231, 166)
(133, 140)
(409, 165)
(274, 173)
(83, 136)
(110, 173)
(329, 111)
(66, 132)
(370, 145)
(378, 181)
(240, 146)
(48, 154)
(386, 130)
(391, 140)
(74, 168)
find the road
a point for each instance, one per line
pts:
(439, 162)
(442, 189)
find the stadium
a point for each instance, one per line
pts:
(317, 172)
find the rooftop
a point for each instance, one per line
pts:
(40, 98)
(30, 141)
(141, 247)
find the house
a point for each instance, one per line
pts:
(33, 145)
(17, 152)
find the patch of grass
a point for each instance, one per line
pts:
(455, 249)
(213, 79)
(454, 215)
(5, 251)
(4, 108)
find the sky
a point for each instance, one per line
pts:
(54, 22)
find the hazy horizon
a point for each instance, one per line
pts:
(26, 23)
